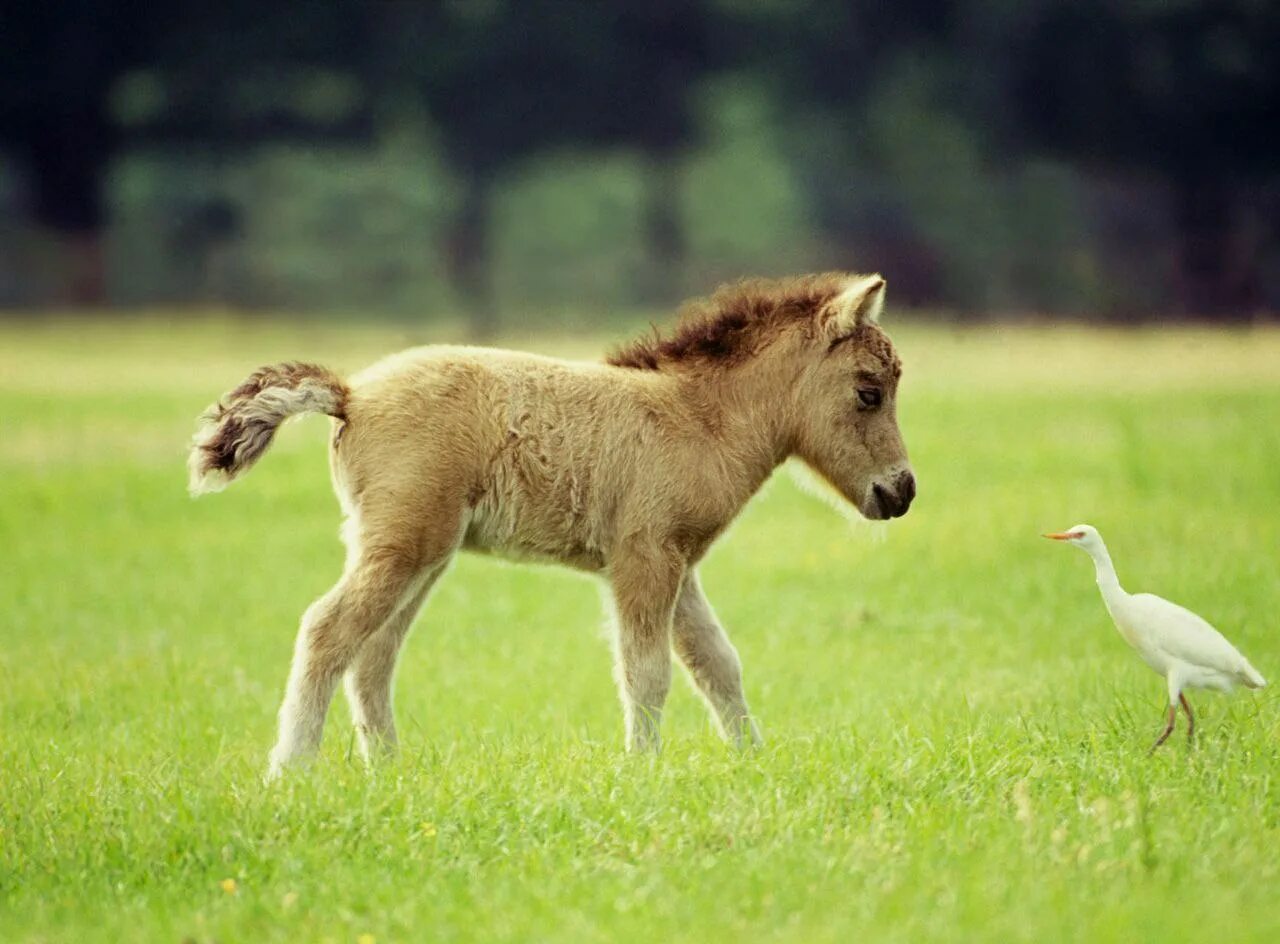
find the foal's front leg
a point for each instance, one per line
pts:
(646, 582)
(712, 663)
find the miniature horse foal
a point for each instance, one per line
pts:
(629, 468)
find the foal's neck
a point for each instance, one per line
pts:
(748, 406)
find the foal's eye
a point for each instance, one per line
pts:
(868, 398)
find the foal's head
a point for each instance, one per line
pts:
(846, 423)
(828, 367)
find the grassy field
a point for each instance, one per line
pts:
(956, 735)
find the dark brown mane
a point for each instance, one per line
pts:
(734, 322)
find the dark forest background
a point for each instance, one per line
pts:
(1008, 157)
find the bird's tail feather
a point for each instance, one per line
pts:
(1252, 677)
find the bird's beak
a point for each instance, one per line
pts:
(1058, 535)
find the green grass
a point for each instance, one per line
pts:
(956, 736)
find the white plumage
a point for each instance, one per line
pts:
(1175, 642)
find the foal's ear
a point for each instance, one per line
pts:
(858, 304)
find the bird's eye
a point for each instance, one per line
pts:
(868, 398)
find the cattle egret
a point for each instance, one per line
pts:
(1175, 642)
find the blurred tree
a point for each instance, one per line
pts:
(82, 79)
(834, 68)
(1189, 91)
(505, 80)
(915, 127)
(59, 65)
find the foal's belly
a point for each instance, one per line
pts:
(506, 536)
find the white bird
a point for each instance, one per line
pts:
(1175, 642)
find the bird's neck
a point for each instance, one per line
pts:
(1108, 582)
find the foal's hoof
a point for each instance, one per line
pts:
(748, 734)
(278, 763)
(274, 772)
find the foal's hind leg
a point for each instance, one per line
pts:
(368, 681)
(333, 630)
(383, 575)
(712, 663)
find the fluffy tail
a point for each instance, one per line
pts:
(237, 429)
(1251, 677)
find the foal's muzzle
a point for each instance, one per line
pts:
(892, 499)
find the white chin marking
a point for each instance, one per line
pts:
(810, 482)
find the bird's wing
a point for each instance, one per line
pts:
(1179, 633)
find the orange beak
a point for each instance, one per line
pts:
(1059, 535)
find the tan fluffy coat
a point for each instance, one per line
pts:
(629, 469)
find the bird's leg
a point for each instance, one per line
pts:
(1191, 720)
(1168, 728)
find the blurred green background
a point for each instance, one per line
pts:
(536, 162)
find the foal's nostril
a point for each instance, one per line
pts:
(883, 499)
(906, 488)
(893, 503)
